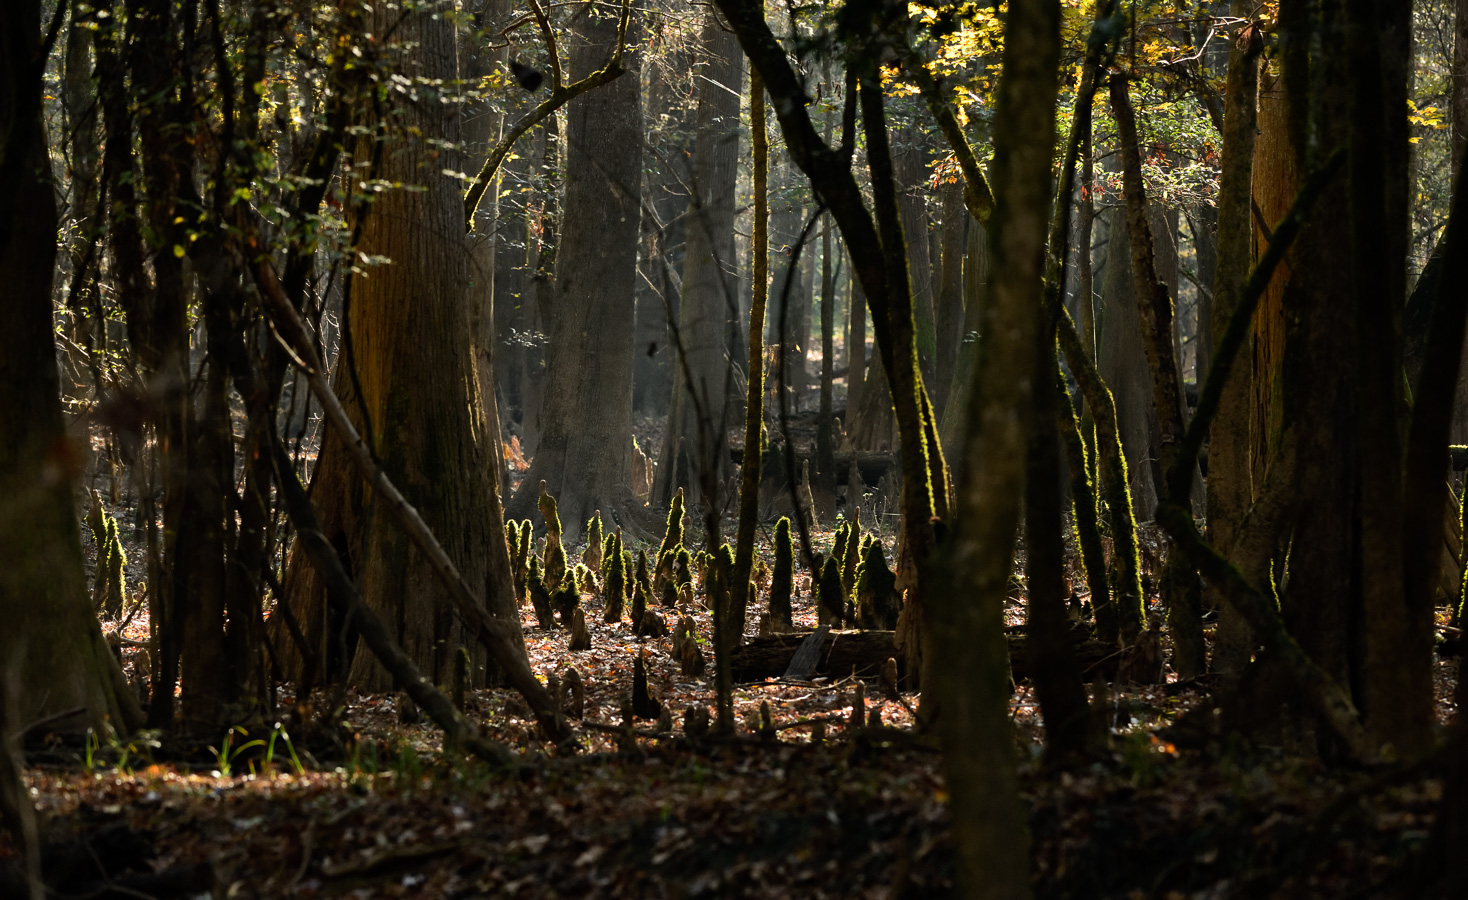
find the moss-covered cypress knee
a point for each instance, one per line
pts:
(591, 557)
(615, 589)
(540, 598)
(782, 580)
(832, 609)
(555, 554)
(673, 537)
(877, 603)
(851, 558)
(683, 567)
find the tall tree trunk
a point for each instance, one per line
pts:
(1230, 486)
(948, 304)
(856, 348)
(702, 377)
(52, 656)
(910, 161)
(751, 466)
(1122, 361)
(585, 451)
(406, 375)
(975, 295)
(989, 826)
(1399, 637)
(1154, 303)
(668, 125)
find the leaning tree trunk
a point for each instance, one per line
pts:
(406, 375)
(703, 376)
(585, 451)
(52, 656)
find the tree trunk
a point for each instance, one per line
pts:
(702, 376)
(751, 465)
(1230, 487)
(948, 305)
(988, 819)
(975, 295)
(667, 125)
(856, 348)
(1399, 637)
(52, 656)
(406, 377)
(585, 451)
(1123, 363)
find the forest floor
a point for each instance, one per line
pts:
(371, 807)
(364, 805)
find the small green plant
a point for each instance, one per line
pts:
(278, 733)
(226, 754)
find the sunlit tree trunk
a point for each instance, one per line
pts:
(406, 374)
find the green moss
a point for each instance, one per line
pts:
(673, 537)
(877, 603)
(593, 556)
(832, 598)
(614, 588)
(540, 596)
(782, 580)
(683, 568)
(555, 554)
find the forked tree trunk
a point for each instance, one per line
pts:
(585, 451)
(406, 376)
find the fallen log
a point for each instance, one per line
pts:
(866, 651)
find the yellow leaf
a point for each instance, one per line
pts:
(178, 250)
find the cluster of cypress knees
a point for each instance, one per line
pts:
(853, 585)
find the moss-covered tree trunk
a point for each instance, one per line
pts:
(51, 650)
(406, 376)
(585, 451)
(968, 629)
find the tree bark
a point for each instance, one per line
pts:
(978, 760)
(1230, 486)
(406, 375)
(585, 450)
(702, 376)
(52, 656)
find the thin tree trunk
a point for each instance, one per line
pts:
(750, 466)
